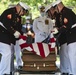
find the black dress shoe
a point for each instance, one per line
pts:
(10, 73)
(6, 74)
(19, 67)
(64, 74)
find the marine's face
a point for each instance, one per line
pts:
(52, 10)
(57, 9)
(22, 12)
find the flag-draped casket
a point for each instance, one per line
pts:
(38, 56)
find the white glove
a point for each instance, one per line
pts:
(24, 34)
(55, 31)
(17, 34)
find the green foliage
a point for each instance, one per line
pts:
(70, 4)
(34, 4)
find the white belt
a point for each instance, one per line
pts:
(2, 25)
(73, 25)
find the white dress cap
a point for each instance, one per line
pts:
(48, 7)
(56, 2)
(26, 7)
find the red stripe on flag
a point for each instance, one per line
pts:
(23, 37)
(49, 46)
(24, 45)
(50, 49)
(52, 40)
(41, 49)
(31, 46)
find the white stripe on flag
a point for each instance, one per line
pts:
(53, 45)
(35, 48)
(28, 48)
(46, 49)
(21, 41)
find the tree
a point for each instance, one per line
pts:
(34, 4)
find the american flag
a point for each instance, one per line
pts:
(41, 49)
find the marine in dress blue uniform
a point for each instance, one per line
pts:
(68, 18)
(9, 18)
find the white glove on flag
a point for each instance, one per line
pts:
(17, 34)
